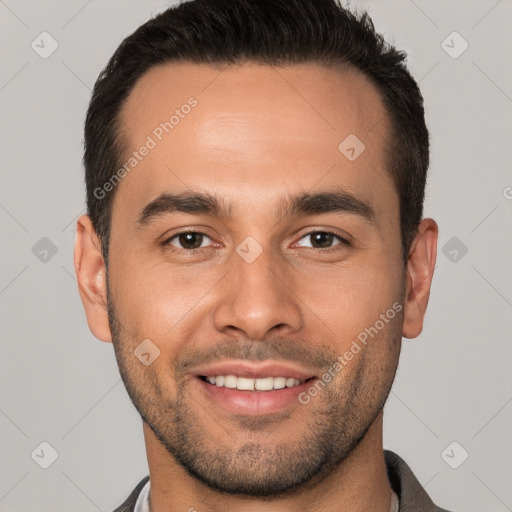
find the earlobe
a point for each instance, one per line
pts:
(419, 274)
(91, 276)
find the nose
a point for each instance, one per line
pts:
(260, 300)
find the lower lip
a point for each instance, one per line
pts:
(254, 403)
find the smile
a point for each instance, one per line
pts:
(251, 396)
(257, 384)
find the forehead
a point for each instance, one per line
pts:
(251, 131)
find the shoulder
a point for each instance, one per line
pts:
(129, 504)
(411, 494)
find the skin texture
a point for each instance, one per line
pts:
(257, 135)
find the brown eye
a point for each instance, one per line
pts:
(188, 240)
(324, 240)
(321, 239)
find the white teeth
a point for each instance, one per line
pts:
(230, 381)
(243, 383)
(264, 384)
(279, 382)
(247, 384)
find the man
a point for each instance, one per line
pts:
(255, 251)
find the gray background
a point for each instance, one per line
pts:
(60, 385)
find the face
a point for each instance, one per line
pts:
(248, 246)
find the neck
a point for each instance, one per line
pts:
(358, 484)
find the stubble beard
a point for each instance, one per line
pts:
(338, 419)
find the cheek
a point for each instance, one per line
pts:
(352, 298)
(160, 300)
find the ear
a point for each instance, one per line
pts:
(420, 270)
(92, 279)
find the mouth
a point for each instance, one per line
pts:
(253, 384)
(253, 389)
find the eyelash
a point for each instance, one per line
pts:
(343, 241)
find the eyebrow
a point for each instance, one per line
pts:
(195, 203)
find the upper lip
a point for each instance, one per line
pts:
(255, 370)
